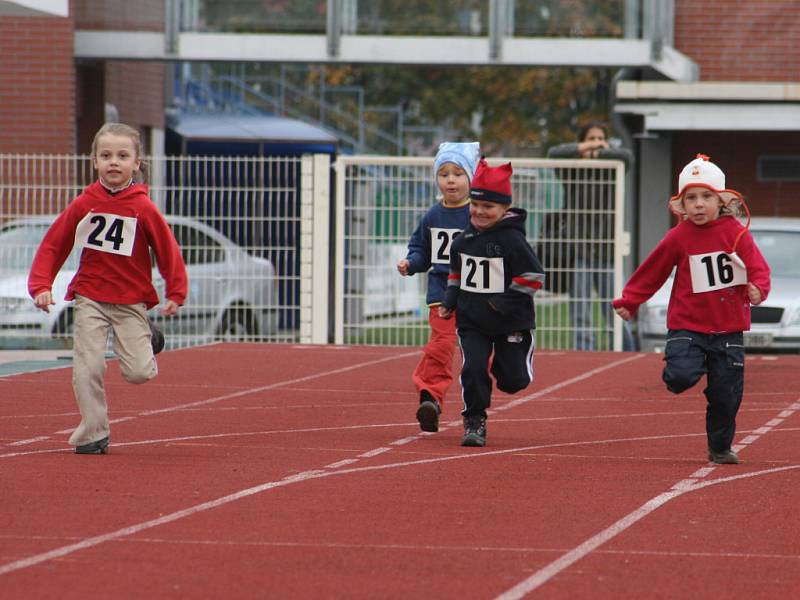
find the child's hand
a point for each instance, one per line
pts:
(44, 301)
(624, 313)
(402, 267)
(170, 308)
(754, 294)
(445, 313)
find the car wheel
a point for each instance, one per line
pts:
(238, 324)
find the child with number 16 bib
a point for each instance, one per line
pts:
(429, 251)
(116, 224)
(719, 273)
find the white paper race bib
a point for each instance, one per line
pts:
(441, 240)
(716, 271)
(482, 275)
(106, 233)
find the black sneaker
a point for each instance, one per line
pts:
(723, 457)
(428, 412)
(156, 337)
(98, 447)
(474, 431)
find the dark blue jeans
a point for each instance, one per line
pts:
(689, 355)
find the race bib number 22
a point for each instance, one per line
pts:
(106, 233)
(441, 240)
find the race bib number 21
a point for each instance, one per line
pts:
(482, 275)
(106, 233)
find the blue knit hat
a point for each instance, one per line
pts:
(463, 154)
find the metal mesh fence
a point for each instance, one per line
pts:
(237, 221)
(255, 236)
(574, 223)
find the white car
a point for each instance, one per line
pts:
(775, 324)
(232, 295)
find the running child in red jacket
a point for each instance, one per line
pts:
(115, 223)
(719, 273)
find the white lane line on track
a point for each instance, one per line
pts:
(319, 474)
(374, 452)
(255, 390)
(557, 386)
(692, 483)
(341, 463)
(127, 531)
(243, 392)
(413, 547)
(29, 441)
(278, 384)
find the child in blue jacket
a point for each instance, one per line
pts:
(429, 251)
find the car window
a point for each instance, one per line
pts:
(780, 249)
(19, 243)
(197, 248)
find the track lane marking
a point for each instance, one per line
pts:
(314, 474)
(694, 482)
(252, 390)
(319, 474)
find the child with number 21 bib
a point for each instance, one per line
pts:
(115, 223)
(719, 273)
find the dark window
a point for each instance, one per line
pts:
(779, 167)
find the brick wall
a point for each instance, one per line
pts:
(137, 90)
(737, 155)
(37, 85)
(740, 40)
(141, 15)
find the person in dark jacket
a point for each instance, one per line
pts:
(494, 274)
(590, 202)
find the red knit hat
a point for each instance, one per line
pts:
(492, 184)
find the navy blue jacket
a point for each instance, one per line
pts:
(494, 275)
(430, 246)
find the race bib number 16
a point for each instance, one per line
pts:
(715, 271)
(106, 233)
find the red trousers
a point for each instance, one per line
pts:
(434, 372)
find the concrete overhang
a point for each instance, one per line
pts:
(368, 49)
(711, 106)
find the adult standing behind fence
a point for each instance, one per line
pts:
(589, 211)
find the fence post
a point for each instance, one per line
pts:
(314, 248)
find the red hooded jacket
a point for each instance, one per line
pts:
(112, 268)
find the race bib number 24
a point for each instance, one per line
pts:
(106, 233)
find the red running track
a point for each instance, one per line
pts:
(286, 471)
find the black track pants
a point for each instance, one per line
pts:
(511, 366)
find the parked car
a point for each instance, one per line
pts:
(232, 294)
(775, 322)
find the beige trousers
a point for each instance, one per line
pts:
(131, 343)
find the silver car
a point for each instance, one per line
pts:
(232, 294)
(775, 322)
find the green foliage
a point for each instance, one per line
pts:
(511, 110)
